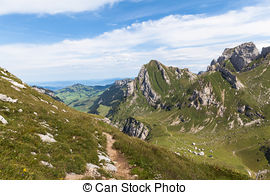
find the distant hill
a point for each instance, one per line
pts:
(80, 97)
(56, 85)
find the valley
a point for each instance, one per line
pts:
(219, 117)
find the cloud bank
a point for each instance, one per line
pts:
(51, 6)
(187, 41)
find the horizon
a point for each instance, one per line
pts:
(39, 42)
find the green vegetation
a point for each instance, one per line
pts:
(80, 97)
(228, 137)
(153, 162)
(74, 139)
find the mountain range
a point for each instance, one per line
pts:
(167, 123)
(220, 116)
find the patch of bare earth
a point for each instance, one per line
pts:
(123, 169)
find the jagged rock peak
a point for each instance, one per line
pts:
(239, 56)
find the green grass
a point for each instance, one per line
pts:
(80, 97)
(103, 110)
(235, 149)
(77, 138)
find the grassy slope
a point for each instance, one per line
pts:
(236, 148)
(77, 137)
(80, 97)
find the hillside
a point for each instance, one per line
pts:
(220, 116)
(80, 97)
(41, 138)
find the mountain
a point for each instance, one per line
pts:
(110, 99)
(220, 116)
(57, 85)
(42, 138)
(80, 97)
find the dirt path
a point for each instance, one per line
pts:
(123, 169)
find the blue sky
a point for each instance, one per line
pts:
(41, 40)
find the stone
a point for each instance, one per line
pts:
(110, 168)
(3, 120)
(16, 84)
(201, 154)
(5, 98)
(103, 157)
(47, 138)
(46, 164)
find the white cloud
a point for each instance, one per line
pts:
(190, 41)
(51, 6)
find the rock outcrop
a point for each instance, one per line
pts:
(47, 92)
(239, 59)
(135, 128)
(145, 86)
(163, 72)
(249, 112)
(265, 51)
(204, 97)
(232, 79)
(127, 85)
(239, 56)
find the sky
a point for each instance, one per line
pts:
(49, 40)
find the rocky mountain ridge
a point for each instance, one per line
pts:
(168, 88)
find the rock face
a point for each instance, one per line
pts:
(123, 82)
(135, 128)
(130, 88)
(47, 92)
(127, 85)
(265, 51)
(239, 56)
(249, 112)
(163, 73)
(204, 97)
(145, 86)
(232, 79)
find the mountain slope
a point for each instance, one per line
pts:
(41, 138)
(80, 97)
(224, 111)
